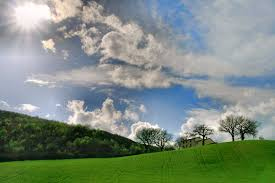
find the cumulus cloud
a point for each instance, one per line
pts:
(49, 45)
(27, 108)
(89, 37)
(106, 118)
(63, 9)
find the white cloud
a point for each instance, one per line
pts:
(4, 104)
(92, 13)
(49, 45)
(63, 9)
(107, 118)
(227, 93)
(90, 38)
(39, 82)
(114, 40)
(142, 108)
(107, 74)
(27, 108)
(236, 35)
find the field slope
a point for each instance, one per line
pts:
(249, 161)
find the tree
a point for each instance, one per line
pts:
(229, 125)
(147, 136)
(202, 131)
(182, 139)
(162, 137)
(246, 127)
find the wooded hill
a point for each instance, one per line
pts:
(25, 137)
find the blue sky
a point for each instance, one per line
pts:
(125, 66)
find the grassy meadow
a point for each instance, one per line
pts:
(244, 162)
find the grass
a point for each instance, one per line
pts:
(239, 162)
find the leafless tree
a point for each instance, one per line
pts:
(146, 136)
(203, 131)
(246, 127)
(229, 125)
(162, 137)
(182, 139)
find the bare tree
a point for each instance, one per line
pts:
(202, 131)
(229, 125)
(246, 127)
(162, 137)
(182, 139)
(146, 136)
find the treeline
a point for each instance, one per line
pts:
(24, 137)
(236, 126)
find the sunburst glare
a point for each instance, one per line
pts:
(29, 16)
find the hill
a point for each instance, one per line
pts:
(24, 137)
(238, 162)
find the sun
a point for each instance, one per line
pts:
(29, 16)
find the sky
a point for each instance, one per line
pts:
(121, 66)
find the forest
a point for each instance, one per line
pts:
(24, 137)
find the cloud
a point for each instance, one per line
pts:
(58, 105)
(64, 9)
(49, 45)
(106, 118)
(4, 105)
(39, 82)
(142, 108)
(236, 41)
(89, 37)
(108, 74)
(235, 35)
(27, 108)
(135, 128)
(230, 94)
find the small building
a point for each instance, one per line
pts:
(197, 141)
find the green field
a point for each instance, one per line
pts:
(249, 161)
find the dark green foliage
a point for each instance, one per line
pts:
(24, 137)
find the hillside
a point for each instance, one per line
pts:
(24, 137)
(244, 162)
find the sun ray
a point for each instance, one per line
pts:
(29, 16)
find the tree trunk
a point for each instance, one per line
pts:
(203, 139)
(233, 138)
(242, 136)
